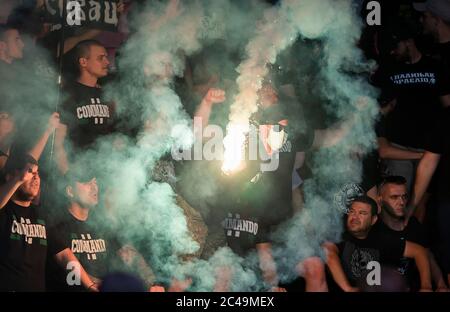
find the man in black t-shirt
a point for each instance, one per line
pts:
(436, 22)
(25, 240)
(85, 117)
(89, 238)
(350, 260)
(393, 220)
(421, 88)
(436, 160)
(264, 197)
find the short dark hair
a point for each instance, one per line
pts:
(397, 180)
(369, 201)
(83, 47)
(18, 161)
(4, 28)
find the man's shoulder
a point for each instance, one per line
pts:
(431, 62)
(77, 89)
(62, 222)
(414, 225)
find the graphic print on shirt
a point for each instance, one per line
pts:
(234, 225)
(29, 230)
(413, 78)
(95, 110)
(359, 260)
(85, 244)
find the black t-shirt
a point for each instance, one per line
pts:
(417, 88)
(413, 232)
(355, 254)
(439, 143)
(263, 198)
(272, 190)
(24, 244)
(244, 229)
(93, 246)
(86, 115)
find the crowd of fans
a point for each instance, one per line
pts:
(399, 217)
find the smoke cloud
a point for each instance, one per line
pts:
(146, 211)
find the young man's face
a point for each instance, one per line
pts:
(97, 63)
(86, 193)
(29, 190)
(393, 199)
(13, 44)
(400, 53)
(359, 218)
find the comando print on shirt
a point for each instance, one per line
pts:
(85, 244)
(24, 228)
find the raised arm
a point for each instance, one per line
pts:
(424, 173)
(203, 111)
(8, 189)
(38, 148)
(60, 151)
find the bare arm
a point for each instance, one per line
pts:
(420, 256)
(388, 151)
(436, 273)
(267, 266)
(60, 151)
(66, 256)
(204, 109)
(424, 173)
(38, 148)
(335, 266)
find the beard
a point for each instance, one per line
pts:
(24, 195)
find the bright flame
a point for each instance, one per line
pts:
(234, 143)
